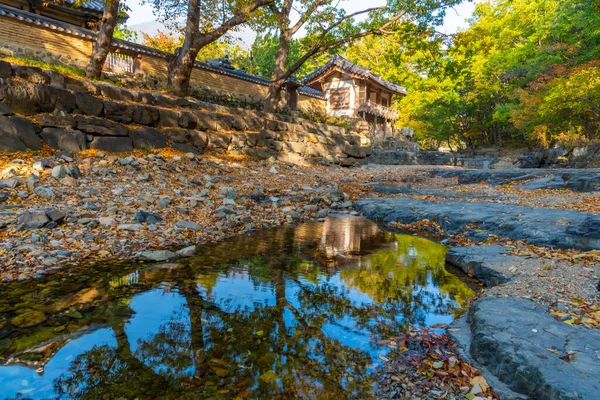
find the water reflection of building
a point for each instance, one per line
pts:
(341, 237)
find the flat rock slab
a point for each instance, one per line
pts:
(491, 264)
(523, 346)
(539, 226)
(579, 180)
(425, 191)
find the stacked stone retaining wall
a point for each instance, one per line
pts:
(70, 114)
(34, 36)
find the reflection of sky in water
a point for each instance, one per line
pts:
(238, 289)
(154, 310)
(17, 379)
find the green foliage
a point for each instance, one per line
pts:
(168, 42)
(524, 70)
(122, 32)
(264, 50)
(221, 48)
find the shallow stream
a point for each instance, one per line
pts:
(282, 313)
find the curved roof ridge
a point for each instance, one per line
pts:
(352, 69)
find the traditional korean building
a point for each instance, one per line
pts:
(355, 91)
(85, 13)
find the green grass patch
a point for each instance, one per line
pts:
(60, 68)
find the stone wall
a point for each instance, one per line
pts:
(75, 115)
(23, 39)
(50, 42)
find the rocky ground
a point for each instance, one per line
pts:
(533, 239)
(59, 208)
(519, 240)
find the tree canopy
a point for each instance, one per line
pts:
(525, 71)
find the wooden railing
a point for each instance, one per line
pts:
(121, 63)
(377, 109)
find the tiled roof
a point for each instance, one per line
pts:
(59, 26)
(352, 69)
(45, 22)
(94, 5)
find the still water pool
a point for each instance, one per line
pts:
(294, 312)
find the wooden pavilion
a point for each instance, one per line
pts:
(355, 91)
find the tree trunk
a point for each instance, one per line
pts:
(195, 305)
(180, 69)
(103, 40)
(278, 78)
(182, 63)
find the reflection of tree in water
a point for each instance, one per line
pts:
(411, 277)
(277, 350)
(281, 350)
(268, 351)
(107, 372)
(169, 350)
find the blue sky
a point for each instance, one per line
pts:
(141, 16)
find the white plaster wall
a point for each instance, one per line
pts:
(349, 83)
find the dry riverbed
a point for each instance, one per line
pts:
(58, 209)
(94, 206)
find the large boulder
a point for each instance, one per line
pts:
(393, 157)
(31, 74)
(518, 342)
(18, 134)
(176, 135)
(5, 70)
(54, 98)
(199, 139)
(590, 227)
(112, 144)
(145, 115)
(55, 121)
(28, 98)
(435, 158)
(235, 122)
(491, 264)
(64, 139)
(546, 227)
(274, 125)
(187, 120)
(550, 182)
(147, 138)
(88, 104)
(116, 93)
(218, 141)
(588, 156)
(118, 112)
(100, 126)
(355, 150)
(206, 121)
(5, 109)
(33, 219)
(21, 97)
(168, 118)
(584, 183)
